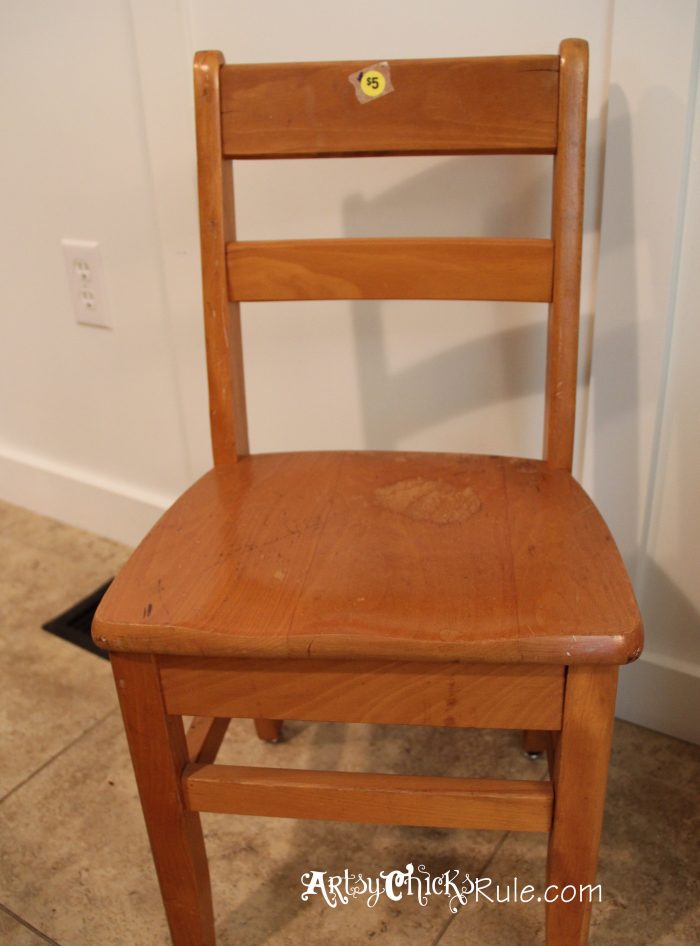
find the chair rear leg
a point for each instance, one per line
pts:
(580, 778)
(534, 742)
(269, 730)
(159, 755)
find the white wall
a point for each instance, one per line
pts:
(80, 405)
(104, 428)
(644, 248)
(102, 148)
(392, 375)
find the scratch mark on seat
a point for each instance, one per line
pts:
(161, 588)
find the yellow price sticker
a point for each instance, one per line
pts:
(372, 83)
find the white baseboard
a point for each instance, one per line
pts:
(663, 694)
(116, 510)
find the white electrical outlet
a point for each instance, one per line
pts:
(84, 267)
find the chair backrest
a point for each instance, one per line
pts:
(500, 105)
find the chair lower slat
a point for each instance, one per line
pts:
(369, 797)
(404, 268)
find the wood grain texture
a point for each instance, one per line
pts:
(430, 589)
(370, 798)
(159, 756)
(439, 106)
(367, 691)
(449, 268)
(580, 778)
(222, 321)
(204, 738)
(567, 231)
(397, 555)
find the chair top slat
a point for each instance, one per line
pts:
(496, 105)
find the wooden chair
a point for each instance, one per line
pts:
(416, 588)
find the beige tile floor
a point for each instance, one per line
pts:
(74, 863)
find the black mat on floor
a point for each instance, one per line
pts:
(74, 624)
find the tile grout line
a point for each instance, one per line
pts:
(28, 925)
(65, 748)
(496, 848)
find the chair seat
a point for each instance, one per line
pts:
(396, 555)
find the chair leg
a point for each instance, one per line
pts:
(159, 754)
(269, 730)
(580, 779)
(534, 742)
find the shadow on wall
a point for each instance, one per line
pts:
(507, 196)
(669, 555)
(660, 690)
(615, 427)
(485, 369)
(669, 609)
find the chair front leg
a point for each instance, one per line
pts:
(159, 755)
(580, 779)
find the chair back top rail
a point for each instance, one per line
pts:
(494, 105)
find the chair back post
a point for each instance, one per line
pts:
(567, 230)
(222, 319)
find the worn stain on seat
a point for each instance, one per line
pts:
(429, 500)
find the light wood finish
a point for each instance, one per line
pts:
(409, 556)
(222, 320)
(204, 738)
(567, 229)
(439, 106)
(370, 797)
(449, 268)
(159, 756)
(367, 691)
(269, 730)
(580, 775)
(430, 589)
